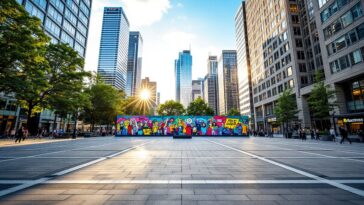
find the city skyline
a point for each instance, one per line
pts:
(205, 33)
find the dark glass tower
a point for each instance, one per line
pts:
(134, 63)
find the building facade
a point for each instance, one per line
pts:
(210, 92)
(293, 41)
(113, 56)
(197, 89)
(64, 21)
(341, 31)
(245, 86)
(151, 86)
(228, 82)
(183, 77)
(134, 72)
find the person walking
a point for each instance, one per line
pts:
(344, 135)
(19, 135)
(317, 133)
(312, 134)
(333, 134)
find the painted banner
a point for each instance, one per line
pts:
(182, 125)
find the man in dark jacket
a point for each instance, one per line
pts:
(344, 135)
(19, 135)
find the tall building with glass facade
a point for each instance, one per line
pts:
(210, 92)
(183, 77)
(133, 77)
(65, 21)
(113, 56)
(245, 88)
(197, 89)
(228, 82)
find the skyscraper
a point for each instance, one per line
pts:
(228, 82)
(210, 92)
(183, 77)
(63, 21)
(134, 63)
(245, 88)
(197, 89)
(151, 86)
(113, 56)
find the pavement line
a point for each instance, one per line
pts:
(146, 181)
(22, 186)
(97, 160)
(312, 176)
(28, 183)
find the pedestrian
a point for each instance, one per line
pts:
(317, 134)
(361, 135)
(25, 133)
(300, 132)
(344, 135)
(304, 134)
(333, 134)
(312, 134)
(19, 135)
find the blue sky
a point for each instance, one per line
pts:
(167, 27)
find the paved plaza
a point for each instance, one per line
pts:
(202, 170)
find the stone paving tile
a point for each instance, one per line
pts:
(195, 159)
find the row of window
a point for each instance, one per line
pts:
(284, 49)
(348, 60)
(345, 20)
(332, 9)
(276, 79)
(346, 40)
(273, 91)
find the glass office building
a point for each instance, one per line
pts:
(134, 63)
(183, 77)
(228, 82)
(210, 92)
(113, 56)
(65, 21)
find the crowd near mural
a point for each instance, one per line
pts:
(182, 125)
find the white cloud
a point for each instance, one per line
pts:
(145, 12)
(180, 5)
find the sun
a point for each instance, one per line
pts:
(145, 94)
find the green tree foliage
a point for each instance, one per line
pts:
(55, 83)
(171, 107)
(105, 104)
(320, 99)
(199, 107)
(286, 108)
(233, 112)
(22, 44)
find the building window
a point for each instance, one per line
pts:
(72, 18)
(34, 11)
(332, 9)
(68, 27)
(41, 3)
(58, 4)
(301, 55)
(355, 57)
(291, 83)
(55, 14)
(67, 39)
(52, 27)
(289, 71)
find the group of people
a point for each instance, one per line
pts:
(21, 134)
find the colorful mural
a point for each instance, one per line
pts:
(182, 125)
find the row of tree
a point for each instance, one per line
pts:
(196, 107)
(320, 101)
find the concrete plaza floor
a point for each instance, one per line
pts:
(202, 170)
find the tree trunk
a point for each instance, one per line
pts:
(74, 128)
(54, 122)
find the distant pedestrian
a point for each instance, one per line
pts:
(312, 134)
(361, 135)
(344, 135)
(317, 133)
(333, 134)
(19, 135)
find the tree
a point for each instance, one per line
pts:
(286, 109)
(22, 43)
(233, 112)
(199, 107)
(320, 99)
(40, 84)
(105, 104)
(171, 107)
